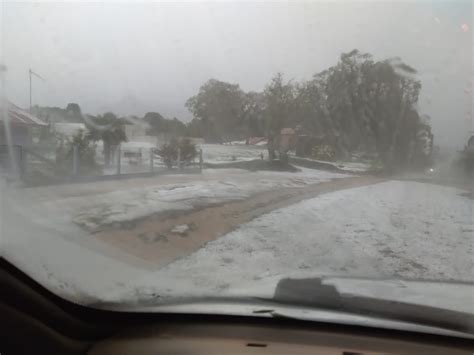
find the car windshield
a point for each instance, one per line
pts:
(155, 155)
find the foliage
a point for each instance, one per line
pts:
(357, 105)
(196, 128)
(160, 125)
(71, 114)
(86, 152)
(109, 129)
(219, 106)
(169, 152)
(323, 152)
(279, 109)
(253, 114)
(377, 165)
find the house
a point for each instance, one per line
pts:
(21, 125)
(135, 129)
(68, 130)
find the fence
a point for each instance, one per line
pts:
(140, 160)
(42, 168)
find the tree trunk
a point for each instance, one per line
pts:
(107, 151)
(271, 147)
(392, 162)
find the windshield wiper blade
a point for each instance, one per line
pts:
(313, 293)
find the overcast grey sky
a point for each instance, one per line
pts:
(139, 57)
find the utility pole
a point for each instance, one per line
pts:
(31, 72)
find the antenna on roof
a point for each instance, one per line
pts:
(31, 72)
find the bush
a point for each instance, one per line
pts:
(323, 152)
(86, 151)
(169, 152)
(377, 165)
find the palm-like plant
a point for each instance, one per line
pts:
(109, 129)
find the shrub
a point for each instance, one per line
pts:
(323, 152)
(169, 152)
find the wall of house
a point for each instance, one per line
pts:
(20, 135)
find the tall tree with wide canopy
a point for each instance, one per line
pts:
(219, 105)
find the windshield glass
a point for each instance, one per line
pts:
(157, 153)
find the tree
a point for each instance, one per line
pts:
(279, 109)
(219, 105)
(160, 125)
(109, 129)
(73, 113)
(196, 128)
(363, 105)
(357, 105)
(155, 122)
(253, 114)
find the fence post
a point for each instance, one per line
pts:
(75, 160)
(200, 159)
(118, 159)
(23, 161)
(179, 158)
(152, 156)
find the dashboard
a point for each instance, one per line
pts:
(35, 321)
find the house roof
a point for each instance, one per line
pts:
(19, 116)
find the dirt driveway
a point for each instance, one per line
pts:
(160, 239)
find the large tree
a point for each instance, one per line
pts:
(358, 105)
(279, 109)
(363, 105)
(219, 105)
(253, 114)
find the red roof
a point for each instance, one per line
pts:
(18, 116)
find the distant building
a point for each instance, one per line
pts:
(133, 130)
(69, 130)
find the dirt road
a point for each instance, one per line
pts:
(161, 239)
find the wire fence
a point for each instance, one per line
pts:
(38, 166)
(141, 160)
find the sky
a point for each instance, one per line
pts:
(135, 57)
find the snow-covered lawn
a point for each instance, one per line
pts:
(39, 227)
(213, 186)
(389, 230)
